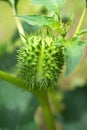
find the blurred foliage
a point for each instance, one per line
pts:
(7, 57)
(17, 107)
(28, 29)
(75, 114)
(76, 104)
(12, 2)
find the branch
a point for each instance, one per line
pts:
(81, 21)
(13, 80)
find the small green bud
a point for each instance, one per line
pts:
(40, 61)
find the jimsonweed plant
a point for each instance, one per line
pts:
(42, 55)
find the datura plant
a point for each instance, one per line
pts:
(41, 55)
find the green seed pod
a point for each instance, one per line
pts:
(40, 61)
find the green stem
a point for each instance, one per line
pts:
(12, 79)
(19, 25)
(43, 99)
(55, 100)
(86, 3)
(81, 21)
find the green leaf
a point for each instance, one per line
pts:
(82, 32)
(52, 5)
(73, 54)
(40, 20)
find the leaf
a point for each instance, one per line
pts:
(12, 2)
(52, 5)
(40, 20)
(73, 54)
(82, 32)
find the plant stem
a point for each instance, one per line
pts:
(43, 99)
(55, 100)
(19, 25)
(86, 3)
(12, 79)
(81, 21)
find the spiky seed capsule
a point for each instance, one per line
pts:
(40, 61)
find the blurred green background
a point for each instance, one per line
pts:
(19, 110)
